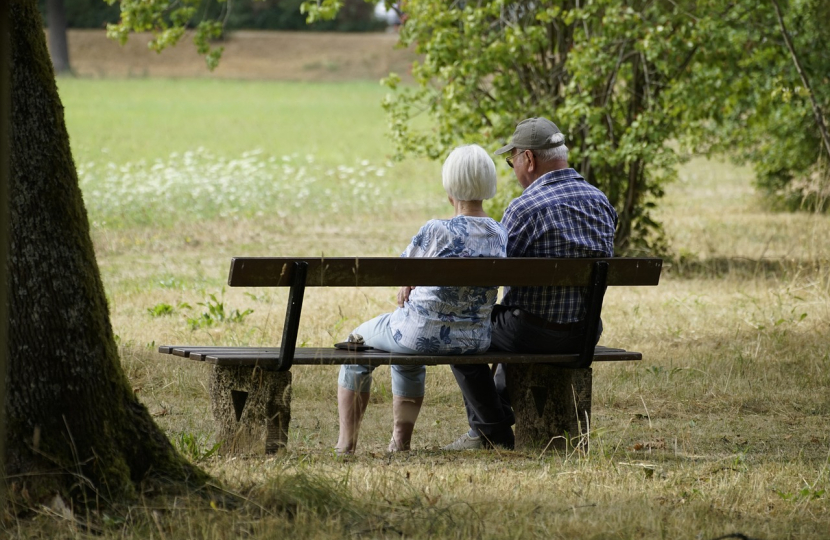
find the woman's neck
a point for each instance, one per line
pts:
(469, 208)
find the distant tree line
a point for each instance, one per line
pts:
(355, 15)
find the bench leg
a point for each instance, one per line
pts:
(252, 409)
(552, 405)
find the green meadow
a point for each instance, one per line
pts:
(722, 428)
(132, 119)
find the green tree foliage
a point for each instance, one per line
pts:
(209, 18)
(623, 78)
(608, 72)
(168, 23)
(750, 101)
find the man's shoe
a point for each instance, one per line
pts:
(466, 442)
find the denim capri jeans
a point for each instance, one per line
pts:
(407, 381)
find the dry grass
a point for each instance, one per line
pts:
(722, 428)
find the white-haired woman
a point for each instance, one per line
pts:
(433, 320)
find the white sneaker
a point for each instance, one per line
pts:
(466, 442)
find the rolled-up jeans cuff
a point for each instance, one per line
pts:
(409, 381)
(356, 378)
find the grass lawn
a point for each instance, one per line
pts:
(123, 120)
(722, 428)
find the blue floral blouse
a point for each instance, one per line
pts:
(450, 320)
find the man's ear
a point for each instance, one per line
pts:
(531, 162)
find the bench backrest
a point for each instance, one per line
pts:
(397, 271)
(299, 273)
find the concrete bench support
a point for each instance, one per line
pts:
(252, 409)
(552, 405)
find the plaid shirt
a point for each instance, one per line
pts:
(559, 215)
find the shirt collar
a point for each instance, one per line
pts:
(553, 177)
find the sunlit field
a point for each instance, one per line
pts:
(724, 427)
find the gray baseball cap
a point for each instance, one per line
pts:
(533, 134)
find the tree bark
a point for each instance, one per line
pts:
(74, 424)
(5, 133)
(58, 45)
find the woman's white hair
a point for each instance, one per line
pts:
(469, 174)
(560, 153)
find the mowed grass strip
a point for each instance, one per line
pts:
(723, 427)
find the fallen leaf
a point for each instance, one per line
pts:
(651, 445)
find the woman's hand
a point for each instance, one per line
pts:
(403, 295)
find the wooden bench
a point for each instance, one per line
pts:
(550, 393)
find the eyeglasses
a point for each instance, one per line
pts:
(510, 159)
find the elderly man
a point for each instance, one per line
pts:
(559, 214)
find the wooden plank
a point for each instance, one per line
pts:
(202, 355)
(479, 271)
(330, 356)
(189, 351)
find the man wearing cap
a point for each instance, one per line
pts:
(559, 214)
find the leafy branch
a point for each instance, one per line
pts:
(804, 80)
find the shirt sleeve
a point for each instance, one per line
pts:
(420, 243)
(521, 231)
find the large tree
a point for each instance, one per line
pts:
(74, 425)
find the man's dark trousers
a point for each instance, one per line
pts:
(485, 395)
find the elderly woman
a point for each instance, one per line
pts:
(432, 320)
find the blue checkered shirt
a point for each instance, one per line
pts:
(558, 215)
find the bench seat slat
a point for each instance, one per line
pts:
(268, 357)
(199, 352)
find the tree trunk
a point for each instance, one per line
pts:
(74, 424)
(58, 46)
